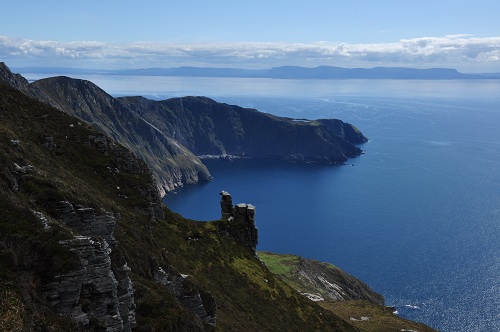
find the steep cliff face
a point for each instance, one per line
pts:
(66, 190)
(85, 243)
(210, 128)
(173, 165)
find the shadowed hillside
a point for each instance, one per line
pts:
(86, 244)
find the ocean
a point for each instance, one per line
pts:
(417, 216)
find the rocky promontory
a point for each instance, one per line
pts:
(207, 127)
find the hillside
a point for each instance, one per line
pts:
(173, 165)
(169, 135)
(335, 290)
(83, 234)
(210, 128)
(86, 244)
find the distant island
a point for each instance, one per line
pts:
(283, 72)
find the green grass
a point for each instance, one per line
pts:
(279, 264)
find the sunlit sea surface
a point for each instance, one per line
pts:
(417, 216)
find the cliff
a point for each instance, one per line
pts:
(169, 134)
(173, 165)
(85, 243)
(207, 127)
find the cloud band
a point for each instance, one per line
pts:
(448, 51)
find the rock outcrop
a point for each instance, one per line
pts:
(93, 293)
(239, 221)
(202, 304)
(98, 292)
(318, 280)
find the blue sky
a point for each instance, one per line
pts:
(251, 34)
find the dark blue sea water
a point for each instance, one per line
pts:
(417, 216)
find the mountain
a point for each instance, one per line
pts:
(84, 236)
(86, 244)
(173, 165)
(169, 135)
(207, 127)
(329, 72)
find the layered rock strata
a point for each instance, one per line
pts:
(202, 304)
(95, 292)
(239, 221)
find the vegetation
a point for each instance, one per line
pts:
(248, 296)
(47, 156)
(364, 315)
(369, 317)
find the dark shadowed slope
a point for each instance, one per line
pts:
(210, 128)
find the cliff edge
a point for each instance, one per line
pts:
(207, 127)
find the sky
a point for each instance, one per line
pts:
(114, 34)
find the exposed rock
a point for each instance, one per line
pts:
(89, 293)
(239, 221)
(16, 173)
(43, 220)
(200, 303)
(95, 291)
(50, 144)
(85, 221)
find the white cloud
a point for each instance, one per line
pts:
(459, 51)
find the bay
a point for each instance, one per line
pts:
(417, 216)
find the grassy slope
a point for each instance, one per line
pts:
(249, 297)
(381, 318)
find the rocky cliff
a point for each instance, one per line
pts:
(238, 221)
(207, 127)
(169, 134)
(70, 198)
(173, 165)
(319, 281)
(86, 245)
